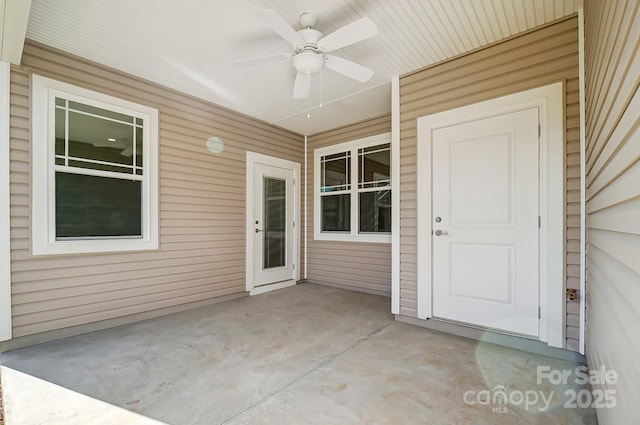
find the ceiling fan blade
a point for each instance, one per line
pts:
(279, 26)
(348, 68)
(349, 34)
(266, 58)
(302, 86)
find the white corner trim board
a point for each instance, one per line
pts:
(549, 101)
(5, 239)
(395, 195)
(583, 181)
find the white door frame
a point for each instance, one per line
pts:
(253, 158)
(5, 205)
(549, 99)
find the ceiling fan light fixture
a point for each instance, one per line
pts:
(308, 62)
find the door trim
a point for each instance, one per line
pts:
(253, 158)
(549, 99)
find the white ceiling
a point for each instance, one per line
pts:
(191, 46)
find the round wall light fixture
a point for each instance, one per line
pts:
(215, 145)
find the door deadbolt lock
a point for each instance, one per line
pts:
(438, 219)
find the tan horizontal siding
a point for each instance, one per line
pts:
(540, 57)
(351, 265)
(612, 51)
(572, 200)
(202, 206)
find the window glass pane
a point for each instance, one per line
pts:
(139, 152)
(336, 213)
(374, 162)
(59, 131)
(89, 206)
(89, 138)
(275, 219)
(101, 112)
(60, 101)
(375, 211)
(335, 172)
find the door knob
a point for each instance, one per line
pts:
(259, 230)
(440, 233)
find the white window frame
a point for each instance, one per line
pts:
(43, 219)
(353, 235)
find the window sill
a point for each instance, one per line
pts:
(93, 247)
(345, 237)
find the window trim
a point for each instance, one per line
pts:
(353, 235)
(43, 239)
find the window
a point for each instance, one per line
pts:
(352, 191)
(94, 171)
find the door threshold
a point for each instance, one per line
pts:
(492, 337)
(271, 287)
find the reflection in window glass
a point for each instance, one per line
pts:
(375, 211)
(100, 139)
(336, 213)
(335, 172)
(97, 139)
(275, 222)
(92, 110)
(97, 207)
(374, 166)
(60, 132)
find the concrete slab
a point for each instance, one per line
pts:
(31, 400)
(301, 355)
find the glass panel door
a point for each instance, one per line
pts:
(273, 207)
(274, 219)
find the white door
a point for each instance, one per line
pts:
(485, 222)
(273, 224)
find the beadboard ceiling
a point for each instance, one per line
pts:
(193, 46)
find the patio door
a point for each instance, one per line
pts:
(485, 222)
(272, 225)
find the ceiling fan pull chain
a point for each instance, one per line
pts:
(308, 108)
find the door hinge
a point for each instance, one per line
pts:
(539, 131)
(294, 182)
(539, 312)
(294, 267)
(539, 222)
(294, 224)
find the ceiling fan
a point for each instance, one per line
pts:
(311, 48)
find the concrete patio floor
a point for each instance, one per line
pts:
(307, 354)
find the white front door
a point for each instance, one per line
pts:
(273, 224)
(485, 222)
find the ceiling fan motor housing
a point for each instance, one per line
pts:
(309, 60)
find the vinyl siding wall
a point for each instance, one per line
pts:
(202, 207)
(534, 59)
(350, 265)
(612, 68)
